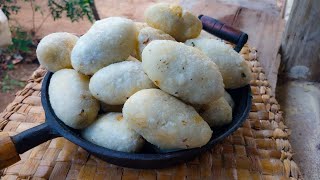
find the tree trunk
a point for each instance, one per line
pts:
(301, 41)
(94, 10)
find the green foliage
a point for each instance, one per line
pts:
(10, 66)
(74, 9)
(22, 41)
(8, 84)
(22, 46)
(9, 7)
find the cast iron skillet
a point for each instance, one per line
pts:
(150, 157)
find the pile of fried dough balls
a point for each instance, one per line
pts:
(123, 83)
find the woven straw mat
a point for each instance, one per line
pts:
(258, 150)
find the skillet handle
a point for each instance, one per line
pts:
(224, 31)
(8, 152)
(11, 147)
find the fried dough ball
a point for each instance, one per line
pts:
(216, 113)
(53, 51)
(229, 99)
(148, 34)
(172, 19)
(235, 71)
(71, 99)
(182, 71)
(113, 132)
(165, 121)
(115, 83)
(108, 41)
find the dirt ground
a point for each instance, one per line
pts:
(16, 79)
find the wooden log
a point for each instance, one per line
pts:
(8, 153)
(301, 42)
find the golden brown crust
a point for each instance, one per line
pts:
(8, 152)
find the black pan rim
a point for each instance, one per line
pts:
(61, 129)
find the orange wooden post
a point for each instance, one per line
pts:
(8, 153)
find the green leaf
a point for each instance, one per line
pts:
(22, 41)
(74, 9)
(9, 7)
(10, 66)
(9, 83)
